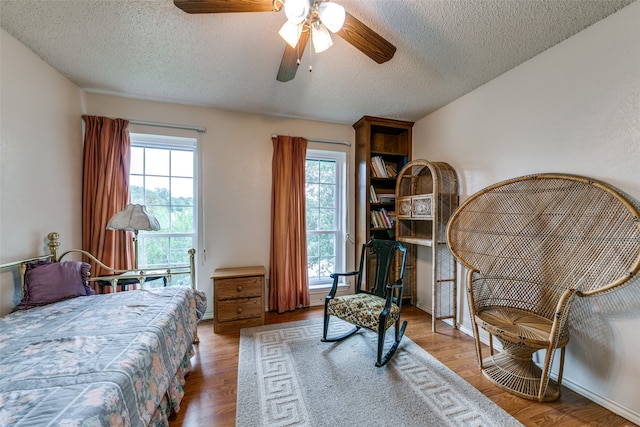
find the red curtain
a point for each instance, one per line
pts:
(288, 282)
(105, 191)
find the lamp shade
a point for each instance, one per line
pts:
(297, 10)
(332, 15)
(320, 37)
(133, 218)
(290, 32)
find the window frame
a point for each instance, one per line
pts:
(168, 142)
(340, 158)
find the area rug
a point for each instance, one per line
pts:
(288, 377)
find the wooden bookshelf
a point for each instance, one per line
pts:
(388, 141)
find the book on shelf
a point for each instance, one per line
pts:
(382, 219)
(378, 168)
(381, 196)
(385, 218)
(392, 218)
(388, 198)
(374, 220)
(392, 169)
(373, 197)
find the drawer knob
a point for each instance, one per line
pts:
(239, 288)
(239, 310)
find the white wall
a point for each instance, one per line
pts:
(40, 159)
(575, 109)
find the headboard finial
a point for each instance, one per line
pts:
(54, 243)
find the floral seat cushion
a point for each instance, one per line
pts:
(362, 310)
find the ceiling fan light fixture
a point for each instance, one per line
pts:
(332, 15)
(291, 32)
(320, 37)
(297, 10)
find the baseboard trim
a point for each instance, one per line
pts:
(607, 403)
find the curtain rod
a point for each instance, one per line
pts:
(169, 125)
(324, 141)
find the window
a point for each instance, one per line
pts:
(325, 201)
(163, 178)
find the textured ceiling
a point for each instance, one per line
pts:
(153, 50)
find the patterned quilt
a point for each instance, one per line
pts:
(97, 360)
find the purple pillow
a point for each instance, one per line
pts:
(45, 283)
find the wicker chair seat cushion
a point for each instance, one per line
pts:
(362, 310)
(518, 326)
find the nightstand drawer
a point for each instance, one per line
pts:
(241, 308)
(241, 287)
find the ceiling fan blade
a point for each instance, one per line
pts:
(366, 40)
(224, 6)
(289, 63)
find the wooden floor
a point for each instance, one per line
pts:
(210, 392)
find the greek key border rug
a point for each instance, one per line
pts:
(288, 377)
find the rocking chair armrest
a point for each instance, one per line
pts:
(335, 277)
(350, 273)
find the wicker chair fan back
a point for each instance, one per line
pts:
(536, 236)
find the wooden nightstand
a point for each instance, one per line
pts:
(238, 298)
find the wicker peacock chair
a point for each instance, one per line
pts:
(531, 245)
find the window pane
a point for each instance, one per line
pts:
(154, 252)
(326, 219)
(162, 215)
(182, 191)
(327, 172)
(182, 163)
(326, 267)
(136, 189)
(313, 244)
(313, 195)
(313, 267)
(156, 190)
(180, 250)
(327, 197)
(182, 220)
(312, 256)
(327, 245)
(156, 161)
(311, 170)
(312, 219)
(137, 160)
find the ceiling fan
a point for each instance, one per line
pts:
(305, 17)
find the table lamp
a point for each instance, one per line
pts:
(134, 218)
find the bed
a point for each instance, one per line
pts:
(113, 359)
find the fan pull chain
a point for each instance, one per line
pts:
(310, 49)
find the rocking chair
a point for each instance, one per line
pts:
(377, 303)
